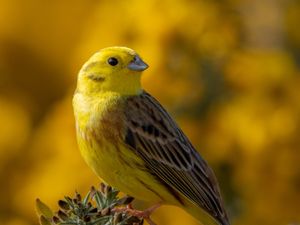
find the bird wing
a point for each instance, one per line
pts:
(168, 154)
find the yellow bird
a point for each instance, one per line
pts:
(132, 143)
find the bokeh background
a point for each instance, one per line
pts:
(228, 71)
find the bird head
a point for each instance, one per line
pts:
(113, 69)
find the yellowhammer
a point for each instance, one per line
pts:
(133, 144)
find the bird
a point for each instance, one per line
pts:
(132, 143)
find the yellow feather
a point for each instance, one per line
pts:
(98, 105)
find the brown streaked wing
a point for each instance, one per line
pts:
(167, 152)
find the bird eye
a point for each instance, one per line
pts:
(112, 61)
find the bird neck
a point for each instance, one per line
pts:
(90, 108)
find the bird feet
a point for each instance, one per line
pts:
(138, 213)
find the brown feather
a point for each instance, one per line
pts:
(169, 155)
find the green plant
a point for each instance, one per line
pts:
(98, 207)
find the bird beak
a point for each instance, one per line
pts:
(137, 64)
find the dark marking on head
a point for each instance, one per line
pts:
(95, 77)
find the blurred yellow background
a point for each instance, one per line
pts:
(228, 71)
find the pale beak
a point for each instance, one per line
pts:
(137, 64)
